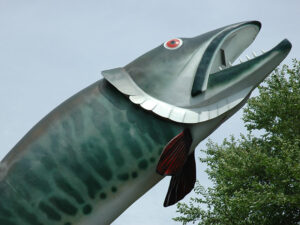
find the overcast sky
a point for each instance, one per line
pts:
(51, 49)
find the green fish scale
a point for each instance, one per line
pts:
(94, 144)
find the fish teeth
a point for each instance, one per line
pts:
(247, 58)
(220, 68)
(241, 61)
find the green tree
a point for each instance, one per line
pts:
(256, 180)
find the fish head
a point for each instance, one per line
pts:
(199, 75)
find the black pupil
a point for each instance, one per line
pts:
(173, 42)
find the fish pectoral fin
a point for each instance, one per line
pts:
(175, 154)
(182, 183)
(176, 161)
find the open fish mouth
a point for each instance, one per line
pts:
(261, 64)
(219, 68)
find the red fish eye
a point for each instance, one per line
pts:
(173, 43)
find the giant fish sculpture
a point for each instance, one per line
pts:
(99, 151)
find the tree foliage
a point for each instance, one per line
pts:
(256, 180)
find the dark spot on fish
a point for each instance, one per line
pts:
(63, 205)
(114, 189)
(152, 159)
(143, 164)
(68, 223)
(123, 176)
(50, 212)
(102, 195)
(87, 209)
(134, 174)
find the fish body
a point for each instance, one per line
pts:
(98, 152)
(85, 162)
(82, 158)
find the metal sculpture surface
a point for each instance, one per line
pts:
(95, 154)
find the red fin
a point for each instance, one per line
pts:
(175, 154)
(182, 183)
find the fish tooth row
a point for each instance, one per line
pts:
(241, 61)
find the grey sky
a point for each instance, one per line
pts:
(49, 50)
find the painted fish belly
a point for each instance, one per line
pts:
(81, 157)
